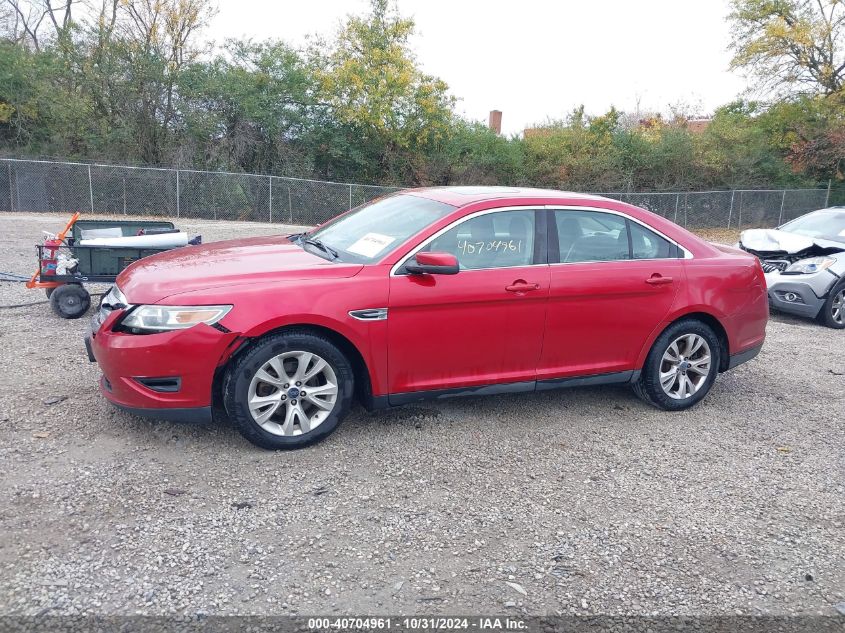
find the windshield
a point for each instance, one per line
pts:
(373, 230)
(823, 225)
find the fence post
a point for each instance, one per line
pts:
(177, 195)
(350, 197)
(731, 210)
(739, 219)
(827, 197)
(290, 204)
(782, 202)
(677, 202)
(271, 198)
(124, 195)
(90, 189)
(11, 192)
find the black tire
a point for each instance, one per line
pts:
(49, 292)
(826, 316)
(70, 301)
(236, 385)
(648, 386)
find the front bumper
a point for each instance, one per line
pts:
(189, 357)
(802, 295)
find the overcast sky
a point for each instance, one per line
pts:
(536, 59)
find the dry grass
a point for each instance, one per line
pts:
(722, 236)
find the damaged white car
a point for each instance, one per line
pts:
(804, 262)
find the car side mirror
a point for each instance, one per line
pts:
(433, 264)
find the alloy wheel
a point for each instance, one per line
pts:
(292, 393)
(685, 366)
(837, 308)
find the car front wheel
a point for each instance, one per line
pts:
(681, 367)
(289, 390)
(833, 310)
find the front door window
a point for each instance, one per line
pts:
(492, 240)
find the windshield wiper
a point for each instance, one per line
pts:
(319, 244)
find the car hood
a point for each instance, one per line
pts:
(228, 263)
(775, 241)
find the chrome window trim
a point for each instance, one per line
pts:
(550, 207)
(460, 220)
(686, 253)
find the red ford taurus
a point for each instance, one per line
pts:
(427, 293)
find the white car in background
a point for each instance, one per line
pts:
(804, 262)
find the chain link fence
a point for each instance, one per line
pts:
(43, 186)
(734, 209)
(40, 186)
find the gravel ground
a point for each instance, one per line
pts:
(575, 501)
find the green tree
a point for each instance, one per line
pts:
(472, 154)
(370, 79)
(745, 146)
(250, 108)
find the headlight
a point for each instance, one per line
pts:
(810, 265)
(155, 318)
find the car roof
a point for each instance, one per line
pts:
(460, 196)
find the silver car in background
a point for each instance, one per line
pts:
(804, 262)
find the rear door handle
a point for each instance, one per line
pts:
(522, 286)
(658, 280)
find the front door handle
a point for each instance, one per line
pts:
(522, 286)
(658, 280)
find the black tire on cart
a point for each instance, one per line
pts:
(49, 292)
(70, 301)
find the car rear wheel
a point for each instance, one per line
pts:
(833, 310)
(289, 390)
(681, 367)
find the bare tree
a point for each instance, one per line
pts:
(791, 43)
(66, 12)
(25, 19)
(163, 30)
(167, 27)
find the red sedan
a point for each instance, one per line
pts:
(423, 294)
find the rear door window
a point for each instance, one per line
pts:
(595, 236)
(591, 236)
(646, 244)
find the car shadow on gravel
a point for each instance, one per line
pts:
(470, 413)
(788, 319)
